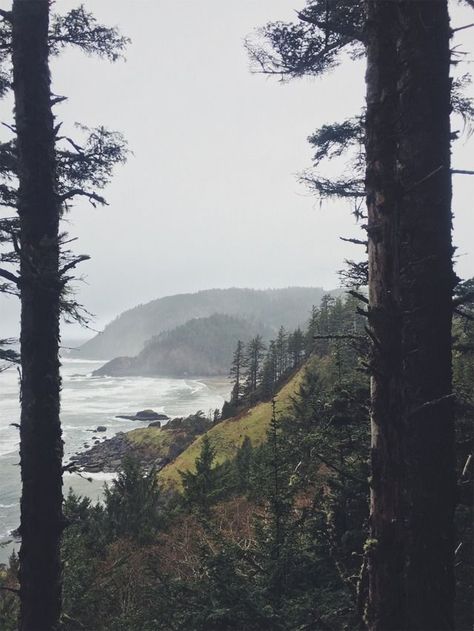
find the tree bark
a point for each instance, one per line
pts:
(411, 584)
(41, 446)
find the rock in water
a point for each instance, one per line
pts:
(144, 415)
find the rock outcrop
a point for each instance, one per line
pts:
(153, 446)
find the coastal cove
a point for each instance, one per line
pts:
(88, 403)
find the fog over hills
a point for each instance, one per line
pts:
(127, 334)
(200, 347)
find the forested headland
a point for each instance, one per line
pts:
(333, 489)
(261, 522)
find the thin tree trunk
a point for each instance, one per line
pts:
(410, 292)
(41, 445)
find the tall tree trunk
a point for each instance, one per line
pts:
(410, 292)
(41, 446)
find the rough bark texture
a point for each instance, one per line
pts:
(41, 445)
(410, 286)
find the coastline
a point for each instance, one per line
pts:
(86, 404)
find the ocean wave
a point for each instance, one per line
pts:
(9, 505)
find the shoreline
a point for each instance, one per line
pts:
(87, 404)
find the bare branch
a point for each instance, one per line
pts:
(9, 276)
(77, 192)
(73, 144)
(74, 263)
(355, 241)
(58, 99)
(462, 28)
(12, 128)
(359, 296)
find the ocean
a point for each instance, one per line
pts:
(86, 403)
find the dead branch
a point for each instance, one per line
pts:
(78, 192)
(9, 276)
(354, 241)
(462, 28)
(74, 263)
(58, 99)
(358, 295)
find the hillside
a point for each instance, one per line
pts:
(127, 334)
(229, 435)
(202, 347)
(175, 446)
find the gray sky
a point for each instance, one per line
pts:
(209, 197)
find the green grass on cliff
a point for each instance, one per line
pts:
(151, 439)
(228, 435)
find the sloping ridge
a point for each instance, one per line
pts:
(227, 436)
(127, 334)
(200, 347)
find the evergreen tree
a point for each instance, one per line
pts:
(48, 178)
(41, 447)
(296, 347)
(201, 488)
(254, 353)
(133, 503)
(243, 465)
(236, 374)
(269, 371)
(411, 283)
(408, 189)
(311, 331)
(281, 348)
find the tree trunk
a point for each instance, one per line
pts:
(410, 292)
(41, 446)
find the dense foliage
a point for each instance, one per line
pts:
(132, 329)
(200, 347)
(275, 539)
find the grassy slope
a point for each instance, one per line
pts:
(152, 438)
(228, 436)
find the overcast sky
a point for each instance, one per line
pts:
(209, 197)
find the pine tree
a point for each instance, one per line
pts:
(269, 372)
(132, 504)
(409, 241)
(201, 488)
(39, 209)
(296, 346)
(281, 348)
(243, 465)
(410, 309)
(254, 354)
(236, 374)
(48, 178)
(311, 331)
